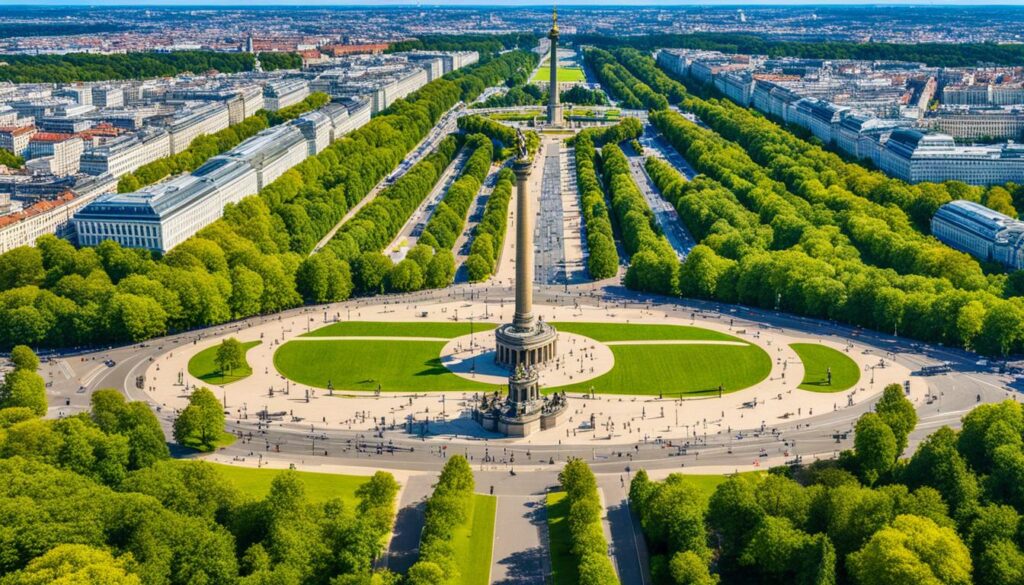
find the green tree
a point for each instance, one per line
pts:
(201, 422)
(24, 358)
(912, 550)
(875, 447)
(75, 564)
(230, 355)
(687, 568)
(22, 387)
(898, 413)
(21, 266)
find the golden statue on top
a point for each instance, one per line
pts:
(554, 19)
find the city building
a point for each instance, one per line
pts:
(106, 96)
(915, 157)
(63, 151)
(283, 93)
(52, 215)
(162, 216)
(983, 233)
(190, 123)
(124, 154)
(978, 124)
(16, 139)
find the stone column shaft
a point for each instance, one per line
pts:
(523, 318)
(554, 107)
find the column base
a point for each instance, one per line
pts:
(516, 346)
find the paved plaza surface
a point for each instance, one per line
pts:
(621, 420)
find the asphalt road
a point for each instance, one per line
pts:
(549, 232)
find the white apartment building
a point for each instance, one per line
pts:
(124, 154)
(107, 96)
(162, 216)
(283, 93)
(972, 124)
(16, 139)
(52, 216)
(983, 233)
(191, 123)
(916, 157)
(63, 150)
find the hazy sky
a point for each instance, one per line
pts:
(506, 3)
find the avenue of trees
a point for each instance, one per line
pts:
(783, 224)
(272, 61)
(503, 134)
(932, 54)
(207, 146)
(630, 91)
(362, 239)
(447, 508)
(653, 265)
(588, 544)
(449, 217)
(761, 245)
(91, 67)
(602, 255)
(253, 260)
(95, 498)
(489, 235)
(948, 515)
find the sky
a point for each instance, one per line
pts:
(492, 3)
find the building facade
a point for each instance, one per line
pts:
(983, 233)
(124, 154)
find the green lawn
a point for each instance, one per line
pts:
(397, 366)
(225, 439)
(817, 359)
(708, 483)
(565, 74)
(204, 366)
(319, 486)
(472, 542)
(688, 370)
(564, 570)
(515, 116)
(447, 329)
(641, 331)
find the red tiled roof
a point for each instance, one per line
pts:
(36, 209)
(51, 137)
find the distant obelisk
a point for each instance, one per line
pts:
(554, 107)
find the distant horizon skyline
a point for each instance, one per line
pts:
(505, 3)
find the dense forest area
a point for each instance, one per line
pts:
(485, 44)
(254, 260)
(95, 498)
(75, 67)
(932, 54)
(948, 515)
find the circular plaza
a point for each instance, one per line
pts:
(631, 372)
